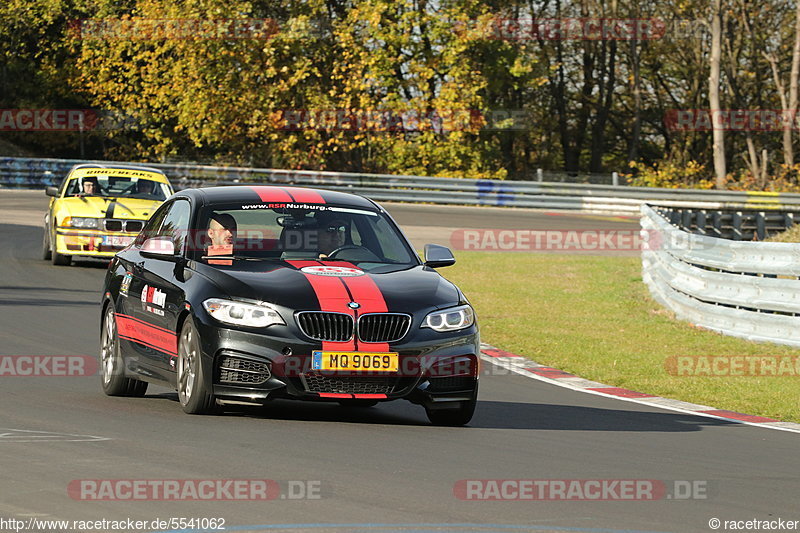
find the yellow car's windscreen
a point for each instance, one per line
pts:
(118, 186)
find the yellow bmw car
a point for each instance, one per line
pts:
(99, 209)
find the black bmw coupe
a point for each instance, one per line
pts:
(245, 294)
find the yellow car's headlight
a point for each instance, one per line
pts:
(82, 222)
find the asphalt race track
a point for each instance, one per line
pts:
(368, 469)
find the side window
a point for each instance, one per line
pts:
(70, 186)
(176, 223)
(150, 228)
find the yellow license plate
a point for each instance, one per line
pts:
(354, 361)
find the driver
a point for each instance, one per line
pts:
(331, 235)
(222, 230)
(90, 187)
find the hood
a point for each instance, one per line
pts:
(401, 289)
(109, 207)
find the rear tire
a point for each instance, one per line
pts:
(46, 252)
(193, 392)
(111, 363)
(459, 416)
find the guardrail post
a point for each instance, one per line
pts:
(686, 223)
(615, 179)
(737, 226)
(539, 175)
(788, 220)
(701, 222)
(717, 222)
(761, 226)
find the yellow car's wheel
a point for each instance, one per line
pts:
(57, 258)
(46, 252)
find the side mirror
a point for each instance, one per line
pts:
(159, 248)
(51, 191)
(438, 256)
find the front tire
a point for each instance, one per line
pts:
(111, 363)
(46, 252)
(57, 258)
(191, 384)
(459, 416)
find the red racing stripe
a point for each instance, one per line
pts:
(271, 194)
(152, 336)
(334, 395)
(333, 298)
(306, 196)
(366, 292)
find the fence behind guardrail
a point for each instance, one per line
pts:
(27, 172)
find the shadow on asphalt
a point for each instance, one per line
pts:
(515, 415)
(48, 289)
(44, 301)
(489, 415)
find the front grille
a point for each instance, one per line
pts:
(130, 226)
(383, 327)
(451, 384)
(113, 225)
(241, 371)
(133, 226)
(324, 326)
(348, 385)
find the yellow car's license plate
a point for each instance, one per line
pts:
(354, 361)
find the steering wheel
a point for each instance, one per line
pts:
(335, 252)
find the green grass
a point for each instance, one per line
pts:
(593, 316)
(790, 235)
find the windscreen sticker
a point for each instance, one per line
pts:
(117, 172)
(287, 205)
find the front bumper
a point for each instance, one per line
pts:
(90, 243)
(435, 369)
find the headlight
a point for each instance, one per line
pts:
(80, 222)
(450, 319)
(242, 314)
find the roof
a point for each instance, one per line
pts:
(277, 194)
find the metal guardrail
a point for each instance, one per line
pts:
(739, 288)
(27, 172)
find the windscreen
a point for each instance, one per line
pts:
(118, 186)
(326, 233)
